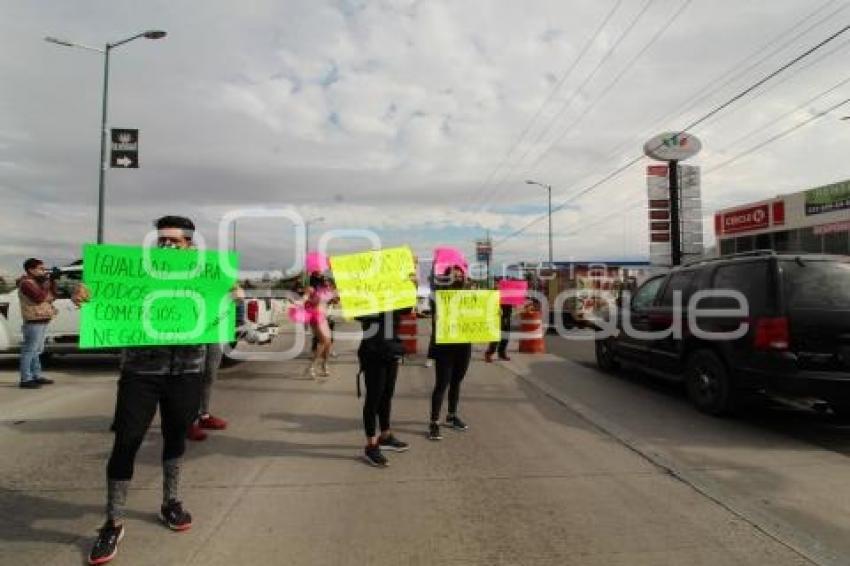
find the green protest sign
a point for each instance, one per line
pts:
(467, 317)
(156, 297)
(375, 281)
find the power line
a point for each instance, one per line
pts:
(611, 84)
(693, 124)
(565, 106)
(549, 98)
(776, 137)
(784, 115)
(728, 162)
(700, 93)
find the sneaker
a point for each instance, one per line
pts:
(505, 358)
(429, 362)
(210, 422)
(196, 433)
(31, 384)
(455, 423)
(175, 517)
(392, 443)
(488, 357)
(106, 546)
(373, 457)
(434, 432)
(44, 381)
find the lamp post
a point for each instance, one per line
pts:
(101, 187)
(549, 189)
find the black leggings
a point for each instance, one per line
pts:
(451, 362)
(178, 398)
(380, 378)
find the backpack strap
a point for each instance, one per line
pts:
(357, 379)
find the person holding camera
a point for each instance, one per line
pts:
(379, 354)
(36, 292)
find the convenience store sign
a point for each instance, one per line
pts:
(828, 198)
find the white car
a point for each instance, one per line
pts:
(63, 332)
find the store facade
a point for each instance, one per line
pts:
(815, 220)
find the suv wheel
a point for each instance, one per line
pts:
(707, 382)
(605, 358)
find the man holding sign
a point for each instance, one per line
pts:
(127, 291)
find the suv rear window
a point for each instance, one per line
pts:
(816, 284)
(750, 279)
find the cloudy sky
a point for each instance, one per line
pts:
(418, 120)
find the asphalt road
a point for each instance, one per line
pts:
(534, 480)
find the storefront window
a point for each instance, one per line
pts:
(763, 242)
(727, 247)
(744, 244)
(780, 242)
(836, 243)
(810, 242)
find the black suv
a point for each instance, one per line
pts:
(797, 343)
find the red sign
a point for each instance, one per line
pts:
(659, 214)
(659, 226)
(656, 170)
(779, 212)
(659, 237)
(746, 219)
(659, 203)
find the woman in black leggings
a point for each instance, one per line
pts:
(451, 362)
(379, 354)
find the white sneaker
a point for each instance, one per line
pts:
(429, 362)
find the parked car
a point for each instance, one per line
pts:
(797, 343)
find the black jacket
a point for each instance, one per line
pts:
(164, 360)
(381, 342)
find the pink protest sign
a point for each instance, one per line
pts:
(512, 292)
(445, 257)
(317, 261)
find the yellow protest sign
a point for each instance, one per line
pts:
(375, 281)
(467, 317)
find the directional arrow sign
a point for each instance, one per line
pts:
(125, 148)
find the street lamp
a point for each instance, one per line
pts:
(548, 188)
(101, 188)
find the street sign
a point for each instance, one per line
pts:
(125, 149)
(483, 250)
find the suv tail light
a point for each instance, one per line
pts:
(253, 311)
(772, 334)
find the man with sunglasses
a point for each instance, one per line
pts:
(164, 376)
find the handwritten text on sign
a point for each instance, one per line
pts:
(374, 282)
(467, 317)
(155, 297)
